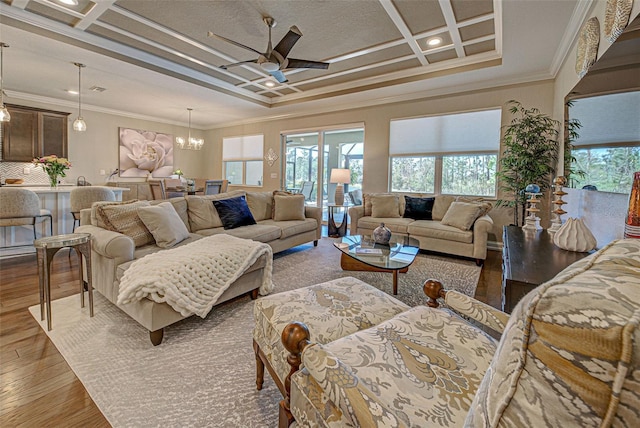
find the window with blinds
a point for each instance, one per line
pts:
(242, 159)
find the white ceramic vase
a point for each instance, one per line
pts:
(574, 235)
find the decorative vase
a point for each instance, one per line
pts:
(53, 180)
(574, 235)
(382, 234)
(632, 226)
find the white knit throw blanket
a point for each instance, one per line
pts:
(192, 277)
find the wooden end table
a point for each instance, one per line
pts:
(528, 260)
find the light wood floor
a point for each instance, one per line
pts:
(37, 386)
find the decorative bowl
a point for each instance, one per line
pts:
(532, 188)
(14, 181)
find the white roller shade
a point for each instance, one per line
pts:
(605, 119)
(477, 131)
(248, 147)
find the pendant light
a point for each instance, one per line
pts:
(189, 143)
(4, 113)
(79, 124)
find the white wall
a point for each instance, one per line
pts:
(97, 148)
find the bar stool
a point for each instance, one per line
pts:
(46, 248)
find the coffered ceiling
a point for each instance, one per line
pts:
(373, 47)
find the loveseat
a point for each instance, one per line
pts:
(282, 225)
(446, 224)
(568, 356)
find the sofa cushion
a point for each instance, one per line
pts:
(421, 366)
(395, 225)
(573, 344)
(293, 227)
(441, 205)
(123, 218)
(140, 252)
(418, 208)
(385, 206)
(258, 232)
(435, 229)
(164, 223)
(288, 207)
(461, 215)
(234, 212)
(202, 213)
(260, 204)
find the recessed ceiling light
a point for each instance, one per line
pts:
(269, 84)
(72, 92)
(434, 41)
(69, 2)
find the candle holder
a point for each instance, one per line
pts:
(532, 221)
(556, 221)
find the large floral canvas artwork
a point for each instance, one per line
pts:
(144, 153)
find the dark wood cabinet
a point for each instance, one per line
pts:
(528, 260)
(32, 133)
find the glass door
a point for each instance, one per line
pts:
(301, 165)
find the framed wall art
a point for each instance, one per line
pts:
(145, 153)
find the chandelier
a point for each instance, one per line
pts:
(190, 143)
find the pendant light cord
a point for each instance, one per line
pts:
(2, 46)
(79, 92)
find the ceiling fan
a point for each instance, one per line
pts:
(274, 60)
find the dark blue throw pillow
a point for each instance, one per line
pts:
(418, 208)
(234, 212)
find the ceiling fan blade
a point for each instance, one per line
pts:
(279, 76)
(303, 63)
(233, 42)
(285, 45)
(224, 67)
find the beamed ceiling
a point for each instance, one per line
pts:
(370, 44)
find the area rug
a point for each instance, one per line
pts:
(203, 374)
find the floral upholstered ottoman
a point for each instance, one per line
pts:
(331, 310)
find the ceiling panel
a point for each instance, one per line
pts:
(467, 9)
(481, 47)
(51, 13)
(420, 15)
(442, 56)
(480, 29)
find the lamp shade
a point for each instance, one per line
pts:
(340, 175)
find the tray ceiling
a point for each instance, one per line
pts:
(368, 43)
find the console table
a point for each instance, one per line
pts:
(528, 260)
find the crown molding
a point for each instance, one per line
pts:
(412, 96)
(571, 33)
(73, 105)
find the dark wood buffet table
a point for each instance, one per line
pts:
(528, 260)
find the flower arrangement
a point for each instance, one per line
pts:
(53, 166)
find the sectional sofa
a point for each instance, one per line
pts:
(282, 225)
(446, 224)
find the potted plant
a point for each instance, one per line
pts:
(529, 157)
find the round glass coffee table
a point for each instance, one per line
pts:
(361, 253)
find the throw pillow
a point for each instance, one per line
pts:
(123, 218)
(279, 192)
(164, 223)
(288, 207)
(461, 215)
(486, 206)
(261, 205)
(234, 212)
(441, 205)
(202, 213)
(418, 208)
(385, 206)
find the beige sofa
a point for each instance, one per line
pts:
(113, 252)
(568, 356)
(433, 235)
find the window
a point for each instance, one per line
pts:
(607, 149)
(242, 159)
(448, 154)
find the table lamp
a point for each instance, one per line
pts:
(340, 176)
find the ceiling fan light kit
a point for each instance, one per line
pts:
(274, 60)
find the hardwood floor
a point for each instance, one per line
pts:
(37, 386)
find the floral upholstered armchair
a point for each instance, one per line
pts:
(569, 355)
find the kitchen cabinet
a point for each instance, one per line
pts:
(33, 133)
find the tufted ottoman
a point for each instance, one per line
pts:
(330, 310)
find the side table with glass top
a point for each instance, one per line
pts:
(361, 253)
(46, 249)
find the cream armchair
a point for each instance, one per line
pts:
(569, 355)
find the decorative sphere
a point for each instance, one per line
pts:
(382, 234)
(560, 180)
(532, 188)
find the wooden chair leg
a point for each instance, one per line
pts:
(156, 336)
(259, 366)
(295, 337)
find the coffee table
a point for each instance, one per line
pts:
(361, 253)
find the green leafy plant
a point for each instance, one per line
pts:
(530, 156)
(571, 134)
